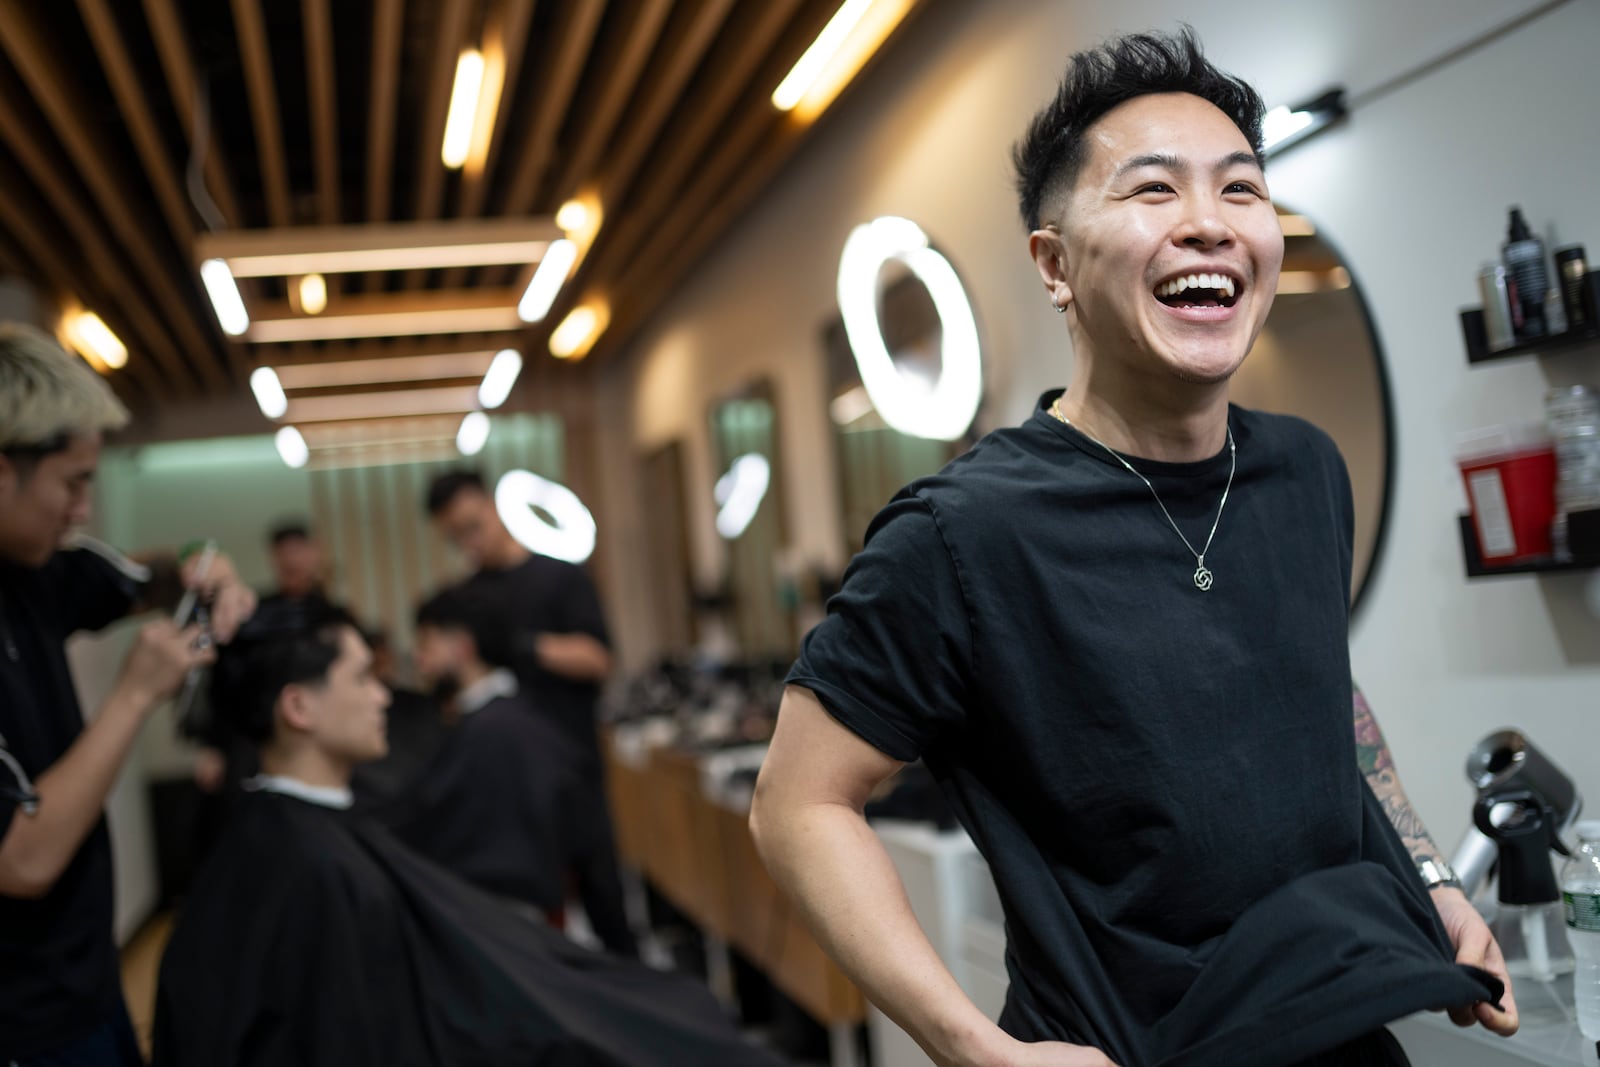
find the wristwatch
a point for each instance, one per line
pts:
(1436, 873)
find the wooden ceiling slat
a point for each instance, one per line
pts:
(431, 170)
(452, 33)
(58, 98)
(575, 36)
(659, 95)
(159, 166)
(22, 218)
(176, 61)
(507, 30)
(621, 75)
(256, 56)
(386, 25)
(324, 106)
(673, 170)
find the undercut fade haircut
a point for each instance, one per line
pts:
(1052, 153)
(282, 644)
(48, 396)
(451, 484)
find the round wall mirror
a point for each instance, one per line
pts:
(1318, 357)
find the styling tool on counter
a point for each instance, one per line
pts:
(1530, 925)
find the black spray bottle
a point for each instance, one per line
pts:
(1523, 256)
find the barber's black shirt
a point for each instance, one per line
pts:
(542, 595)
(1143, 763)
(58, 964)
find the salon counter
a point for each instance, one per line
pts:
(681, 826)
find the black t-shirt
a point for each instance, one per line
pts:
(541, 595)
(1140, 761)
(58, 963)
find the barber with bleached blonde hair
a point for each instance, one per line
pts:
(60, 989)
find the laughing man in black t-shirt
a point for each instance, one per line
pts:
(60, 991)
(1117, 634)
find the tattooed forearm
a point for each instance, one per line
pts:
(1372, 753)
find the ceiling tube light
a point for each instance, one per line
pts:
(488, 103)
(474, 433)
(291, 447)
(269, 393)
(1285, 126)
(843, 47)
(225, 298)
(580, 330)
(313, 291)
(94, 340)
(463, 107)
(499, 378)
(547, 280)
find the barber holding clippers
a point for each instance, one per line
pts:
(60, 989)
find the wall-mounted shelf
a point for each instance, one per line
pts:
(1477, 568)
(1477, 339)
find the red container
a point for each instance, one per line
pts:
(1510, 474)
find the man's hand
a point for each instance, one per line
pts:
(1475, 945)
(232, 602)
(162, 655)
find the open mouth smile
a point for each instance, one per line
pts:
(1199, 290)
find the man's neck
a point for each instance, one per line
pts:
(508, 555)
(1182, 423)
(306, 765)
(472, 673)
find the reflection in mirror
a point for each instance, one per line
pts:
(759, 596)
(1318, 358)
(667, 548)
(875, 461)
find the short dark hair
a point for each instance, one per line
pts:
(447, 486)
(285, 643)
(1051, 154)
(293, 530)
(474, 612)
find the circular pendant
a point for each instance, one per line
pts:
(1202, 578)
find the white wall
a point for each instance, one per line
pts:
(1413, 189)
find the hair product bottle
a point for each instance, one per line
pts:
(1524, 259)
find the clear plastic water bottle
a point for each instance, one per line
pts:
(1580, 896)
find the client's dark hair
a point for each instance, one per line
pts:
(293, 530)
(475, 612)
(1053, 151)
(449, 485)
(285, 643)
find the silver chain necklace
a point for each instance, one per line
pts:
(1202, 573)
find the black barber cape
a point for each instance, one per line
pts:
(499, 804)
(1162, 779)
(58, 963)
(312, 938)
